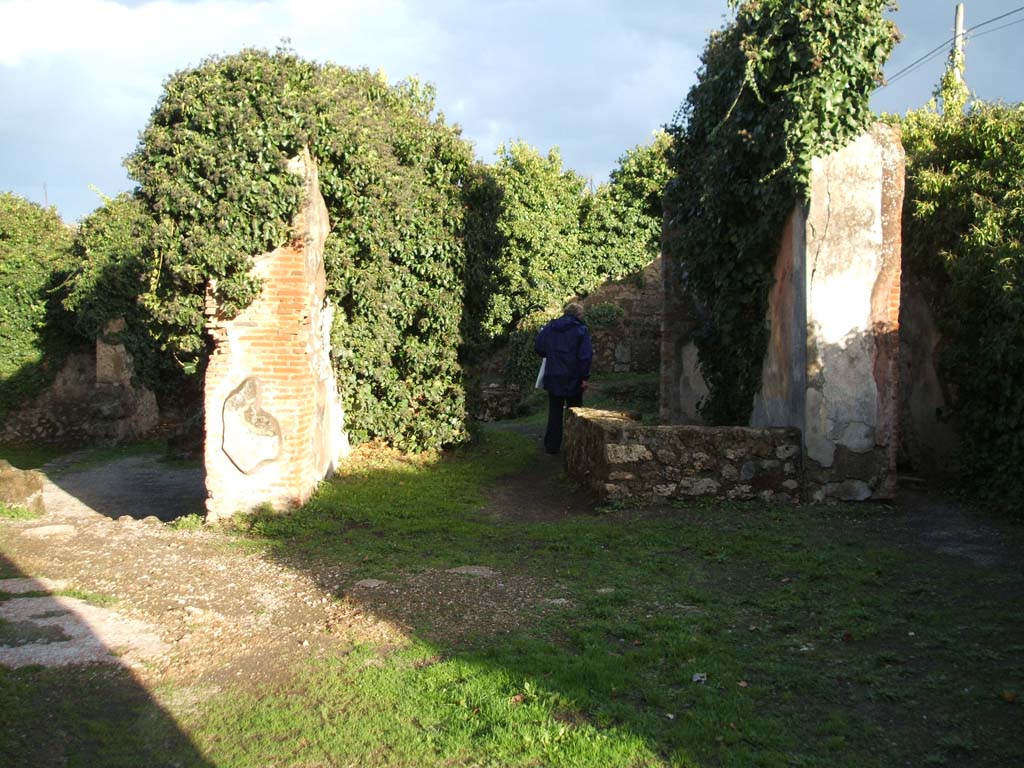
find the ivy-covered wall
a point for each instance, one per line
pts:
(211, 167)
(786, 81)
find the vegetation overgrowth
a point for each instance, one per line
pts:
(963, 228)
(537, 235)
(431, 259)
(34, 258)
(783, 83)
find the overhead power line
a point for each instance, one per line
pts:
(944, 46)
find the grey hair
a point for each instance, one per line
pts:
(573, 308)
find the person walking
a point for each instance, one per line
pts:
(565, 345)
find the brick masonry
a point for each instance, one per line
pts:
(273, 418)
(617, 458)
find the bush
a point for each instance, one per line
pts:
(34, 255)
(964, 224)
(536, 236)
(212, 170)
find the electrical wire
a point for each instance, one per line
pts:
(941, 48)
(1004, 26)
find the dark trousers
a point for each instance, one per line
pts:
(556, 412)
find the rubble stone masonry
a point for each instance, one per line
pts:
(617, 458)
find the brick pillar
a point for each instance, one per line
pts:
(274, 423)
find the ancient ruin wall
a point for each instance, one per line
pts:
(93, 399)
(617, 458)
(833, 359)
(274, 423)
(631, 342)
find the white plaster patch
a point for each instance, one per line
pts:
(816, 429)
(858, 437)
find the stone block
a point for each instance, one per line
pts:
(21, 487)
(626, 454)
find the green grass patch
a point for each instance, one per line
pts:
(192, 522)
(713, 634)
(14, 512)
(398, 514)
(31, 457)
(93, 715)
(409, 707)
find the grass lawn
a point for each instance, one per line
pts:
(709, 635)
(703, 635)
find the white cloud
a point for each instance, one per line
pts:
(80, 77)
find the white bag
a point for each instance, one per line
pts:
(539, 384)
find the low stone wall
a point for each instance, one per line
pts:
(617, 458)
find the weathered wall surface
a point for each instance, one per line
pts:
(681, 385)
(632, 342)
(618, 458)
(840, 291)
(274, 424)
(928, 438)
(92, 400)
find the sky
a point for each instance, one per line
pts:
(79, 78)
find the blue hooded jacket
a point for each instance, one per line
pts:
(565, 343)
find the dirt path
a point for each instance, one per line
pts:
(197, 606)
(165, 602)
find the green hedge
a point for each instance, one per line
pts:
(34, 255)
(536, 235)
(963, 224)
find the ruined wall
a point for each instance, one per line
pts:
(92, 400)
(832, 363)
(928, 437)
(631, 342)
(681, 386)
(274, 424)
(617, 458)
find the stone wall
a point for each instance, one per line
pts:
(617, 458)
(92, 400)
(832, 367)
(832, 364)
(274, 424)
(632, 342)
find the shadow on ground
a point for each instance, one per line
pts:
(138, 486)
(87, 714)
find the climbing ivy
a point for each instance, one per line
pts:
(786, 81)
(109, 283)
(34, 256)
(963, 225)
(212, 169)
